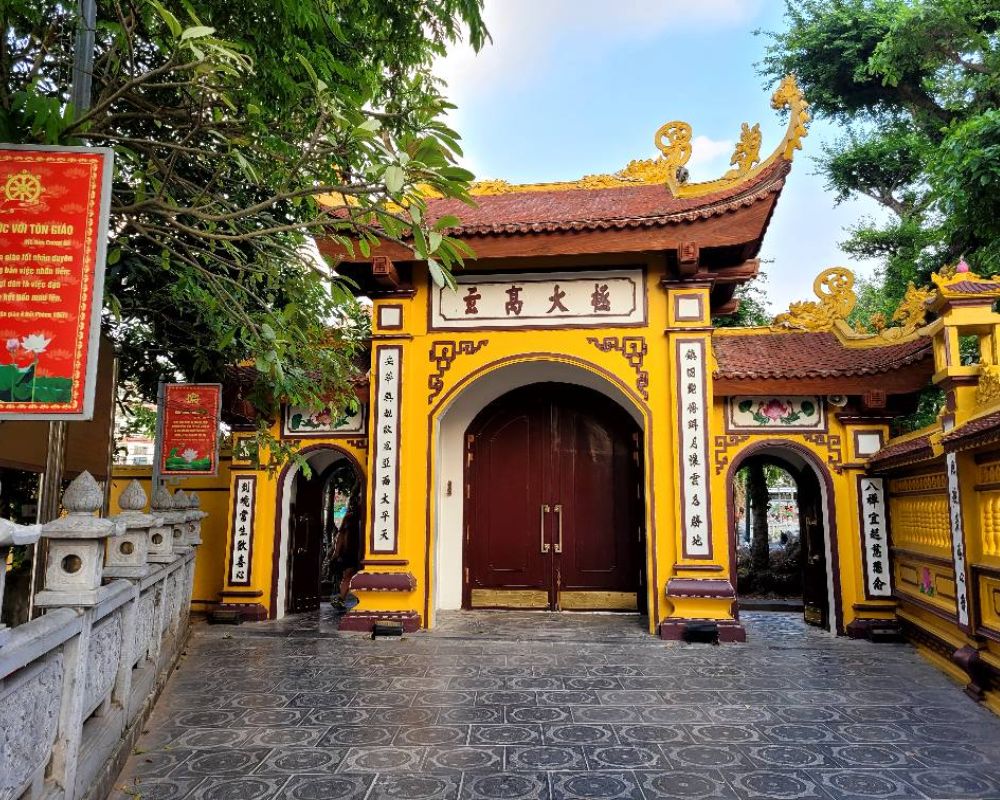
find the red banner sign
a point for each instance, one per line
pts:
(54, 204)
(190, 429)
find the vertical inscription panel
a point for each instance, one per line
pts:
(241, 547)
(874, 537)
(957, 541)
(692, 433)
(385, 451)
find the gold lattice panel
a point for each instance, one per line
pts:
(509, 598)
(598, 601)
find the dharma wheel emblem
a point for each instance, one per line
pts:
(23, 187)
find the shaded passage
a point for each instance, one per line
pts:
(536, 705)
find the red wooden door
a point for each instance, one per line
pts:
(506, 524)
(305, 553)
(815, 592)
(553, 502)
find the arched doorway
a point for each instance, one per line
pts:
(811, 542)
(553, 503)
(320, 529)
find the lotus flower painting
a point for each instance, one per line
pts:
(25, 376)
(187, 460)
(303, 421)
(795, 413)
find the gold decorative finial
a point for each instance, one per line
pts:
(747, 151)
(674, 141)
(788, 96)
(911, 313)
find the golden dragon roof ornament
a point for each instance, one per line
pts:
(673, 140)
(834, 289)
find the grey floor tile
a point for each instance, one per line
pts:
(238, 788)
(506, 786)
(592, 785)
(425, 786)
(332, 787)
(533, 706)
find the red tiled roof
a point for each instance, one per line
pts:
(902, 453)
(599, 209)
(808, 355)
(983, 430)
(972, 287)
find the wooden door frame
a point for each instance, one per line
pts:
(444, 437)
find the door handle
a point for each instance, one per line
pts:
(541, 528)
(558, 509)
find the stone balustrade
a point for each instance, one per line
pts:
(11, 535)
(77, 683)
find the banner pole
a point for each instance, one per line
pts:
(158, 441)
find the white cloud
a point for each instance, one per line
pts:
(526, 34)
(709, 157)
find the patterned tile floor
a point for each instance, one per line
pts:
(530, 706)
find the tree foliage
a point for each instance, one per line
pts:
(230, 121)
(916, 86)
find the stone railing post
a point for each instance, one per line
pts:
(128, 551)
(12, 535)
(195, 515)
(161, 535)
(74, 563)
(182, 508)
(74, 567)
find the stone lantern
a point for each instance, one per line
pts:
(196, 515)
(128, 551)
(161, 535)
(74, 563)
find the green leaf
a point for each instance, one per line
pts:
(446, 221)
(172, 23)
(197, 32)
(394, 178)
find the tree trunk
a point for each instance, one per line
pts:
(759, 500)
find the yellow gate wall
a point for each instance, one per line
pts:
(213, 492)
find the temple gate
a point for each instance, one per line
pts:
(561, 431)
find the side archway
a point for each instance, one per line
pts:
(794, 458)
(300, 528)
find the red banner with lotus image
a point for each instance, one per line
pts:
(190, 429)
(54, 206)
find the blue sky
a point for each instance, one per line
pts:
(575, 87)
